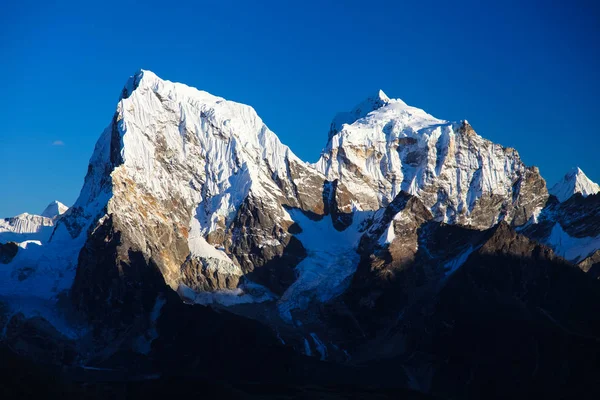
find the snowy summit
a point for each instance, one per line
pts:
(575, 181)
(54, 209)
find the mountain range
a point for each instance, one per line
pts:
(414, 256)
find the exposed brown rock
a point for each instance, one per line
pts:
(201, 276)
(591, 265)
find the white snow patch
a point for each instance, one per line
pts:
(569, 247)
(248, 292)
(331, 260)
(535, 215)
(199, 247)
(388, 235)
(26, 243)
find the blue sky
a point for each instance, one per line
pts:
(524, 74)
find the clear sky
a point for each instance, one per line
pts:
(525, 74)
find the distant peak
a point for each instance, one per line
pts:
(54, 209)
(574, 181)
(575, 173)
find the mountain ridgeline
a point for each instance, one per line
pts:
(414, 257)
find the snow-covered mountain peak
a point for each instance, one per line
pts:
(384, 147)
(191, 120)
(188, 164)
(158, 96)
(54, 209)
(574, 181)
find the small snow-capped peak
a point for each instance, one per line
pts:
(54, 209)
(574, 181)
